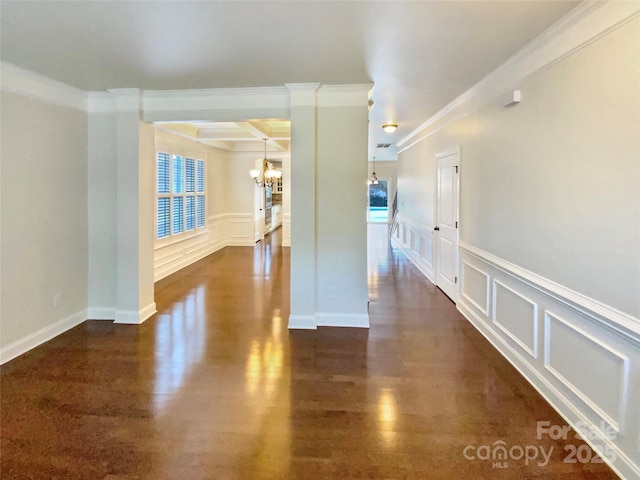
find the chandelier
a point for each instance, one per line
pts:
(267, 174)
(373, 179)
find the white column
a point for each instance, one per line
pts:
(341, 202)
(102, 204)
(303, 198)
(135, 210)
(329, 142)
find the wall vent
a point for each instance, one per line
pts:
(383, 145)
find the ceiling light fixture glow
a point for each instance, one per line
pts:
(373, 179)
(389, 127)
(267, 174)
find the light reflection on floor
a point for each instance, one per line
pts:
(257, 378)
(378, 255)
(180, 345)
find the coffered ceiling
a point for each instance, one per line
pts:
(236, 136)
(419, 54)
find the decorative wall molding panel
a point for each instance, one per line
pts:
(610, 318)
(222, 230)
(286, 230)
(475, 287)
(217, 232)
(240, 229)
(416, 242)
(173, 257)
(584, 362)
(516, 316)
(604, 386)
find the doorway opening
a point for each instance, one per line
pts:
(378, 206)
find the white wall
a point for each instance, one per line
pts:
(551, 184)
(550, 228)
(44, 221)
(241, 194)
(241, 187)
(218, 187)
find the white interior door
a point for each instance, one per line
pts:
(446, 229)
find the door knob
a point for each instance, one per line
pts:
(437, 229)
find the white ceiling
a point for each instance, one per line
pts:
(420, 54)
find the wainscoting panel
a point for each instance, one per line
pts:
(591, 369)
(240, 229)
(217, 231)
(286, 230)
(581, 355)
(426, 250)
(171, 258)
(416, 243)
(475, 287)
(517, 317)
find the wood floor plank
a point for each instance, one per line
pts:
(215, 386)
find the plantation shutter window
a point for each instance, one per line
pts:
(181, 195)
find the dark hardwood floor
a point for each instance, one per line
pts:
(216, 387)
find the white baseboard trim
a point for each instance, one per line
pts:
(302, 322)
(17, 348)
(132, 317)
(240, 242)
(218, 245)
(352, 320)
(101, 313)
(623, 465)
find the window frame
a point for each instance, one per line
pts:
(200, 228)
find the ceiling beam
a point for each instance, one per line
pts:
(255, 129)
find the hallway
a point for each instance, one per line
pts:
(216, 387)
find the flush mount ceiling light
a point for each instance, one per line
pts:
(389, 127)
(373, 179)
(267, 174)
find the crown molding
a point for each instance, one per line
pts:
(356, 95)
(584, 24)
(127, 99)
(302, 94)
(160, 103)
(29, 84)
(100, 102)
